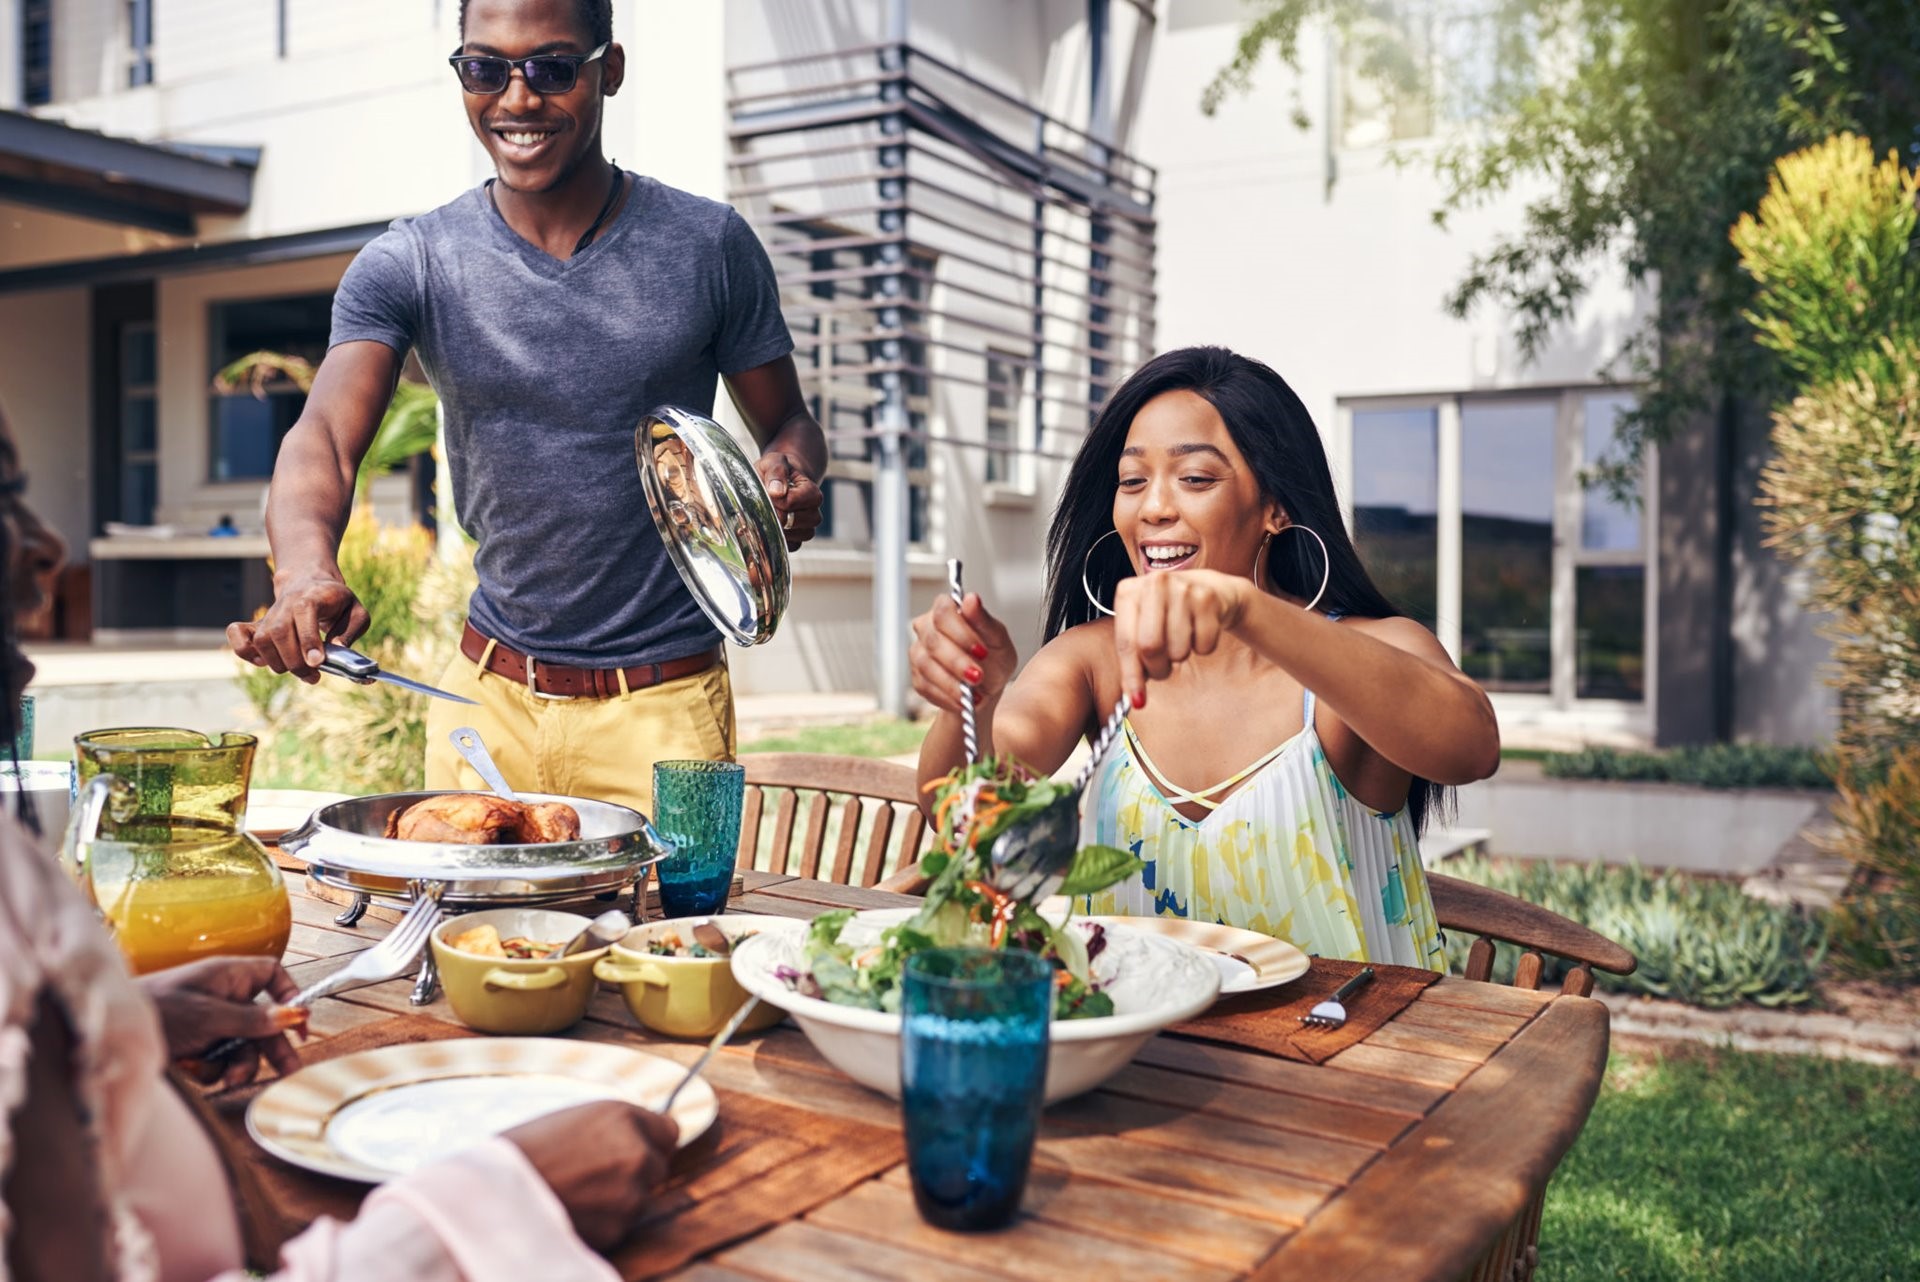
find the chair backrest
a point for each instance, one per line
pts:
(1469, 908)
(861, 818)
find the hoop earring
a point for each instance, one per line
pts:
(1085, 585)
(1326, 560)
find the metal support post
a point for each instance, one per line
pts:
(891, 498)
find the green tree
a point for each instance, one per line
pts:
(1837, 302)
(1643, 129)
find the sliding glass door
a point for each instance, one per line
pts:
(1474, 514)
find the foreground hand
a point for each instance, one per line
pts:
(796, 497)
(1160, 620)
(206, 1002)
(601, 1160)
(292, 635)
(960, 645)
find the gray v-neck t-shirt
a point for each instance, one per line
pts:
(543, 369)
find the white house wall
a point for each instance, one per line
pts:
(45, 377)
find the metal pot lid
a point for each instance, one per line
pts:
(717, 521)
(348, 836)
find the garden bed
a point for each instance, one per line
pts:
(1727, 831)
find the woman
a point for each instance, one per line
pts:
(1299, 731)
(106, 1175)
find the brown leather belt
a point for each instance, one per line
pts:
(563, 682)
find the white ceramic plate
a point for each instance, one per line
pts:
(273, 811)
(378, 1114)
(1154, 982)
(1248, 960)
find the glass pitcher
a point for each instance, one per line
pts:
(156, 840)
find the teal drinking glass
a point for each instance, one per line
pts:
(696, 806)
(23, 742)
(973, 1077)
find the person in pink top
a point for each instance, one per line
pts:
(106, 1175)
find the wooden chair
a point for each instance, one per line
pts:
(861, 807)
(1491, 915)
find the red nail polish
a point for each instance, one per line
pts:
(1139, 699)
(973, 676)
(979, 651)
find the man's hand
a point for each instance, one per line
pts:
(292, 636)
(796, 496)
(206, 1002)
(601, 1160)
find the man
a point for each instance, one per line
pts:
(551, 308)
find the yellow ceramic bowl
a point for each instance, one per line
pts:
(686, 996)
(521, 998)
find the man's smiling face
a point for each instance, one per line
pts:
(538, 141)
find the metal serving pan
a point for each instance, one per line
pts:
(344, 848)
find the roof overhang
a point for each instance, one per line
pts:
(211, 256)
(160, 187)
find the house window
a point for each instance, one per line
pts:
(1003, 417)
(1447, 49)
(1536, 580)
(1396, 503)
(1507, 470)
(247, 429)
(36, 52)
(139, 425)
(139, 43)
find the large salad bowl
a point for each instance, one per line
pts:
(1154, 982)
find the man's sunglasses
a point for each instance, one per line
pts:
(545, 73)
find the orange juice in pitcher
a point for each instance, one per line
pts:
(166, 860)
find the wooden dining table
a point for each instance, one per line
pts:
(1419, 1152)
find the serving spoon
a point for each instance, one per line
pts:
(609, 927)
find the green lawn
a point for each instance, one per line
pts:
(881, 737)
(1712, 1165)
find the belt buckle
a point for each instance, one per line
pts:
(534, 690)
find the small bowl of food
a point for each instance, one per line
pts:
(496, 974)
(676, 985)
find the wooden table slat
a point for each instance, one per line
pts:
(1043, 1251)
(1178, 1055)
(1195, 1230)
(1403, 1066)
(1336, 1120)
(1269, 1139)
(800, 1251)
(1429, 1208)
(1451, 990)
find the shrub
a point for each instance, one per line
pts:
(1716, 765)
(1699, 941)
(372, 738)
(1833, 251)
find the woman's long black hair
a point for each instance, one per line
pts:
(1280, 443)
(28, 817)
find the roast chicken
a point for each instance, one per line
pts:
(481, 819)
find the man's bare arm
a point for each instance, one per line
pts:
(308, 504)
(793, 449)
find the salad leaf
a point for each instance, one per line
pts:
(1097, 867)
(973, 807)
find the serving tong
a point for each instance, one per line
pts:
(1031, 859)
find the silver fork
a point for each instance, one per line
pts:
(1330, 1013)
(386, 959)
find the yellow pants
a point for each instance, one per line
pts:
(601, 749)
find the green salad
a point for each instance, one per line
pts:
(974, 805)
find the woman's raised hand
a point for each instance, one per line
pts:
(953, 645)
(1161, 619)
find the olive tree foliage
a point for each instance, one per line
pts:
(1639, 131)
(1836, 270)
